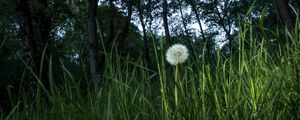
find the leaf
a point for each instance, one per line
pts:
(262, 16)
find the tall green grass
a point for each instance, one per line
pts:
(257, 83)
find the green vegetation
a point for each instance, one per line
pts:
(261, 82)
(108, 59)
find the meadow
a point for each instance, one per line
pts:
(258, 81)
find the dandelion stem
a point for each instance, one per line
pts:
(176, 85)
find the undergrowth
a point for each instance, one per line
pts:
(259, 82)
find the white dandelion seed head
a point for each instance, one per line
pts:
(176, 54)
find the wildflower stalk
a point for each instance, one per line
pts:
(176, 86)
(176, 95)
(176, 55)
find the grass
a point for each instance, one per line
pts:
(258, 83)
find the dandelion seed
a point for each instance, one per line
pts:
(176, 54)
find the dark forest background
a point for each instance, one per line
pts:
(79, 34)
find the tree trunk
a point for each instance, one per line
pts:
(285, 14)
(111, 26)
(43, 27)
(149, 15)
(201, 29)
(128, 19)
(31, 51)
(165, 20)
(146, 46)
(223, 25)
(26, 26)
(126, 26)
(184, 27)
(93, 42)
(35, 29)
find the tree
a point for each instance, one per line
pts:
(141, 17)
(194, 9)
(129, 4)
(35, 25)
(111, 24)
(165, 21)
(26, 26)
(285, 14)
(184, 23)
(93, 42)
(218, 17)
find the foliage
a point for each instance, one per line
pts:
(259, 83)
(251, 72)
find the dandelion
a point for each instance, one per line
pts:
(177, 54)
